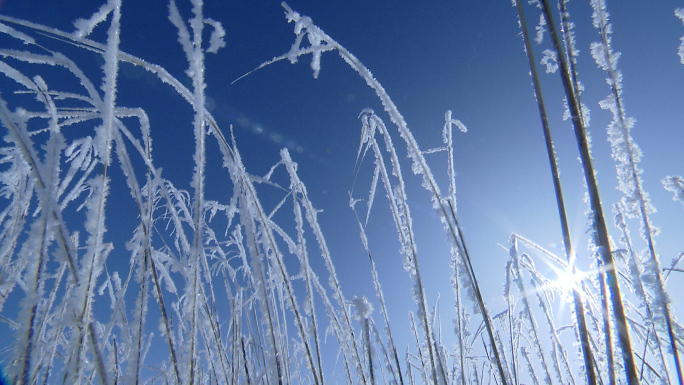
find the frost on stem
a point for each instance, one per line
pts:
(541, 29)
(363, 308)
(550, 60)
(84, 27)
(679, 12)
(675, 184)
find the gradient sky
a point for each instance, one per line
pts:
(431, 56)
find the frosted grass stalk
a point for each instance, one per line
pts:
(395, 371)
(568, 35)
(530, 367)
(402, 218)
(635, 271)
(527, 309)
(135, 363)
(39, 241)
(582, 332)
(299, 189)
(192, 46)
(46, 176)
(145, 214)
(457, 264)
(558, 353)
(94, 225)
(675, 184)
(18, 189)
(346, 336)
(256, 211)
(627, 156)
(19, 136)
(598, 220)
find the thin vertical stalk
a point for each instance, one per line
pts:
(518, 278)
(632, 170)
(96, 249)
(598, 219)
(582, 332)
(460, 242)
(607, 331)
(369, 351)
(636, 271)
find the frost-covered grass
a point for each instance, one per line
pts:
(225, 291)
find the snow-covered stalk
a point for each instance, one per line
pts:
(581, 329)
(396, 371)
(598, 220)
(558, 354)
(424, 370)
(311, 215)
(459, 322)
(527, 309)
(168, 330)
(401, 216)
(385, 366)
(300, 193)
(141, 303)
(363, 311)
(675, 184)
(19, 135)
(635, 271)
(457, 264)
(627, 156)
(607, 331)
(346, 336)
(455, 229)
(38, 250)
(97, 250)
(530, 367)
(192, 46)
(510, 317)
(254, 210)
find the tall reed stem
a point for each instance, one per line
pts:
(599, 223)
(582, 332)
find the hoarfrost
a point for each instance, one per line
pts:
(679, 12)
(541, 29)
(363, 307)
(550, 60)
(675, 184)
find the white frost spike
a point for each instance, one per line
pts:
(675, 184)
(315, 41)
(16, 34)
(550, 60)
(363, 308)
(453, 122)
(216, 41)
(541, 28)
(679, 12)
(320, 42)
(84, 27)
(183, 33)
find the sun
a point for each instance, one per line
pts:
(567, 281)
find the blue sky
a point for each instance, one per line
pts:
(465, 56)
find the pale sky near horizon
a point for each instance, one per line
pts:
(432, 56)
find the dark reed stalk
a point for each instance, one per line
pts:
(598, 219)
(582, 332)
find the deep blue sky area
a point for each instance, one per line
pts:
(431, 56)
